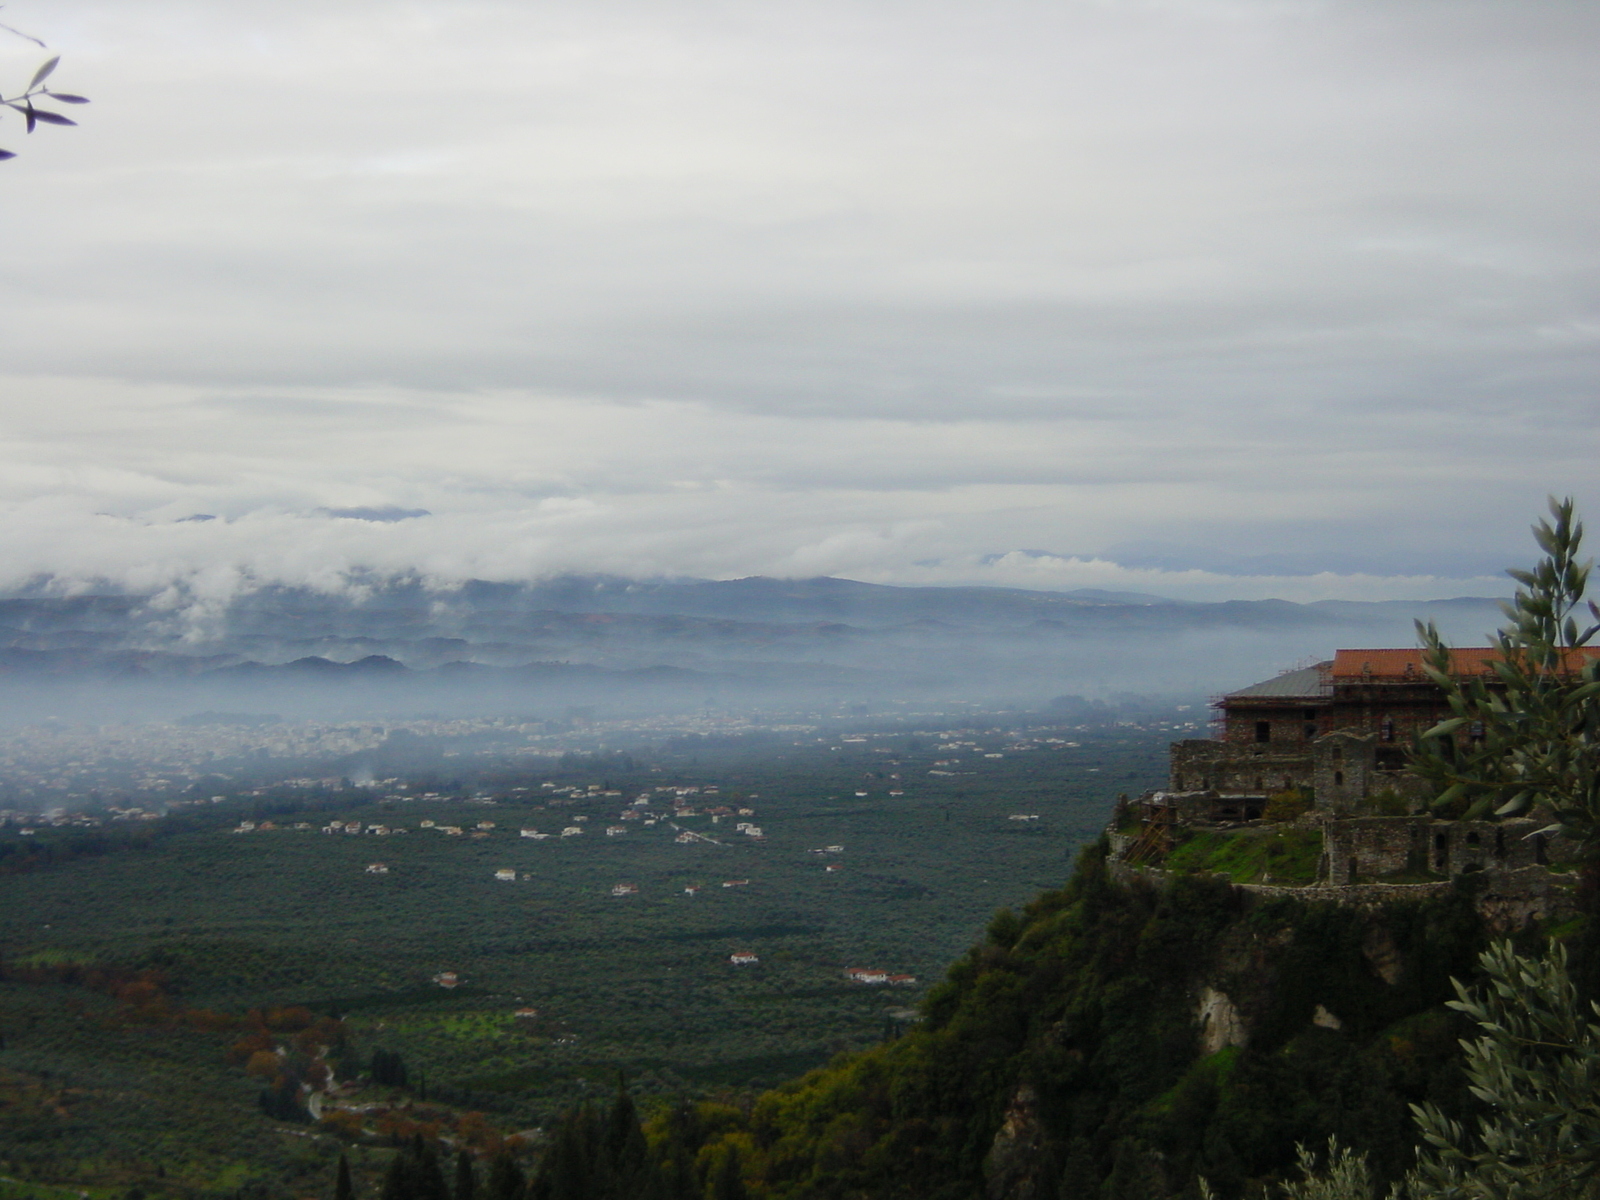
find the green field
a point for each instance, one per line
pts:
(640, 983)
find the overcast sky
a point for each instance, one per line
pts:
(1206, 298)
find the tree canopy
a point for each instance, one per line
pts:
(1534, 1066)
(1525, 737)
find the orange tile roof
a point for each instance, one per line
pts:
(1407, 664)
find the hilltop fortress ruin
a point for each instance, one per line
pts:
(1316, 759)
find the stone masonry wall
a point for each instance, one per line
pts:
(1508, 902)
(1368, 846)
(1340, 769)
(1200, 764)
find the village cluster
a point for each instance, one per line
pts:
(28, 824)
(55, 763)
(52, 771)
(866, 976)
(674, 803)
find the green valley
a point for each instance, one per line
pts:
(515, 975)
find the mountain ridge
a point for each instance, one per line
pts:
(827, 638)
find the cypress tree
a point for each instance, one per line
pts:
(627, 1153)
(342, 1187)
(675, 1162)
(728, 1183)
(414, 1174)
(388, 1069)
(430, 1177)
(466, 1179)
(506, 1181)
(397, 1183)
(568, 1169)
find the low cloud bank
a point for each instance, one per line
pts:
(218, 491)
(195, 564)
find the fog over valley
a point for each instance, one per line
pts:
(735, 645)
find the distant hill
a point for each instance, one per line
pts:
(755, 640)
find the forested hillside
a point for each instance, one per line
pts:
(1066, 1056)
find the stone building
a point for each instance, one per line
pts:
(1386, 693)
(1340, 730)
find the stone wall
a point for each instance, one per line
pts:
(1508, 900)
(1341, 769)
(1360, 895)
(1200, 764)
(1287, 722)
(1368, 846)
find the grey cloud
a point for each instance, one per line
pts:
(1274, 288)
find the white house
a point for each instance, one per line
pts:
(867, 975)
